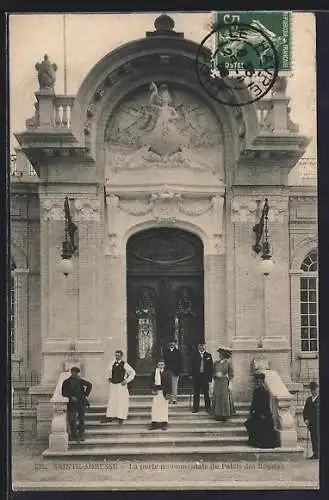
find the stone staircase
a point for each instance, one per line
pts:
(189, 436)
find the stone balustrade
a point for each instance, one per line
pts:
(62, 111)
(273, 115)
(51, 111)
(283, 410)
(58, 437)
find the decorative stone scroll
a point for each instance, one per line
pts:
(166, 205)
(53, 209)
(136, 207)
(87, 209)
(278, 210)
(244, 210)
(198, 207)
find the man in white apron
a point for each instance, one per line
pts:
(161, 389)
(119, 373)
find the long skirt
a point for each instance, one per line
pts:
(159, 408)
(118, 402)
(222, 401)
(261, 432)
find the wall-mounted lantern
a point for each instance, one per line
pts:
(69, 245)
(262, 244)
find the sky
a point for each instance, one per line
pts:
(89, 37)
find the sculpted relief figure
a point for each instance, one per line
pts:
(161, 133)
(46, 73)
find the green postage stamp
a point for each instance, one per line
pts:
(274, 26)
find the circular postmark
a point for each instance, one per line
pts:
(237, 64)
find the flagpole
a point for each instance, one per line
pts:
(64, 44)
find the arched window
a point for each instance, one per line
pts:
(12, 298)
(309, 303)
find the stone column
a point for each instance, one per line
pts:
(214, 279)
(251, 310)
(214, 301)
(21, 341)
(88, 220)
(59, 293)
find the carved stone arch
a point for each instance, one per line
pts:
(122, 71)
(185, 226)
(222, 114)
(304, 247)
(18, 256)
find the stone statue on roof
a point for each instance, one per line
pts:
(46, 73)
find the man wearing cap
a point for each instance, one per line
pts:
(260, 425)
(77, 390)
(201, 371)
(174, 365)
(119, 373)
(311, 418)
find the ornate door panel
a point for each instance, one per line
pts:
(165, 294)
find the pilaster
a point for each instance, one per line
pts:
(21, 343)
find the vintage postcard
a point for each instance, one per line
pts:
(164, 255)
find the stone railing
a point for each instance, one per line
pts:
(20, 169)
(62, 111)
(283, 409)
(58, 437)
(274, 116)
(51, 111)
(308, 168)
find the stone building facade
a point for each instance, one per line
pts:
(164, 185)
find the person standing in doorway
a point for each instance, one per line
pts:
(119, 373)
(201, 371)
(77, 391)
(311, 416)
(174, 365)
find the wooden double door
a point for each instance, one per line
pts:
(164, 295)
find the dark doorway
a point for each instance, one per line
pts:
(165, 294)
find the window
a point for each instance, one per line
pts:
(12, 309)
(309, 303)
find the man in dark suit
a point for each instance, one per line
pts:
(77, 390)
(311, 417)
(201, 371)
(174, 365)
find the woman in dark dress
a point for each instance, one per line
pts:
(222, 402)
(260, 425)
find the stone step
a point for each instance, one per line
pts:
(230, 452)
(173, 431)
(191, 420)
(146, 414)
(145, 400)
(172, 409)
(156, 440)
